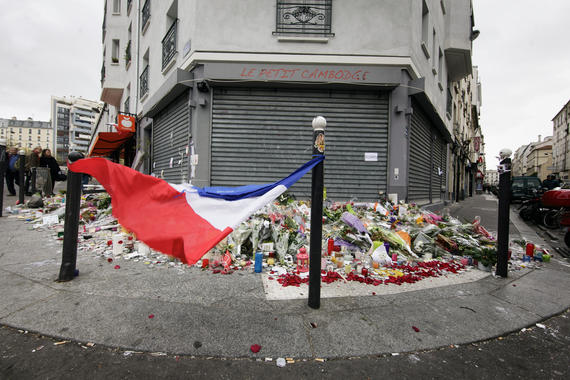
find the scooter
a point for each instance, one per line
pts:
(559, 216)
(531, 207)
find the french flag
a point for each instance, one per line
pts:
(181, 220)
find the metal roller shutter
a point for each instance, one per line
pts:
(170, 137)
(419, 189)
(428, 157)
(261, 135)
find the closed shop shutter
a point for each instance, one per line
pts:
(428, 156)
(261, 135)
(170, 138)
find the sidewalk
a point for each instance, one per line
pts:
(188, 311)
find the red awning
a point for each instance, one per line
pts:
(109, 142)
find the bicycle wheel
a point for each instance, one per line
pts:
(551, 219)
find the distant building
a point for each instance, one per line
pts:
(492, 177)
(539, 159)
(560, 144)
(72, 120)
(26, 134)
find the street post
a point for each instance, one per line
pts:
(21, 172)
(319, 124)
(71, 225)
(3, 168)
(504, 210)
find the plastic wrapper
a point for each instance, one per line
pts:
(423, 244)
(239, 236)
(354, 222)
(379, 233)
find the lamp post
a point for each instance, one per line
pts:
(319, 125)
(504, 208)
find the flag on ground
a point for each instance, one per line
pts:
(181, 220)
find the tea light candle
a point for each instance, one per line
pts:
(271, 261)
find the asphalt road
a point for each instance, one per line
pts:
(538, 352)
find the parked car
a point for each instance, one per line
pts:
(522, 187)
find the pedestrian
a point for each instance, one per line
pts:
(48, 161)
(550, 182)
(32, 162)
(12, 172)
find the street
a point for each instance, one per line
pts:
(536, 353)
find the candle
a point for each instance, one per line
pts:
(205, 263)
(375, 265)
(270, 261)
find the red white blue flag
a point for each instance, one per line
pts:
(181, 220)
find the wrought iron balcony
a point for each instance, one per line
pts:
(144, 82)
(169, 44)
(145, 13)
(308, 17)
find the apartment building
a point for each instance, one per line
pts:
(224, 91)
(26, 134)
(560, 143)
(72, 123)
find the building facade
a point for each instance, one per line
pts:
(539, 159)
(467, 158)
(26, 134)
(560, 143)
(492, 177)
(224, 92)
(72, 122)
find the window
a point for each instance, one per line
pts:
(143, 89)
(434, 50)
(440, 68)
(145, 14)
(311, 17)
(115, 52)
(425, 28)
(116, 6)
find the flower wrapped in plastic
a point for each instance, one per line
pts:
(239, 236)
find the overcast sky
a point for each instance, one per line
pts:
(53, 47)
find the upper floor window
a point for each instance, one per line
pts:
(310, 17)
(117, 6)
(145, 14)
(425, 29)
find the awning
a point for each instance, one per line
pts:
(109, 142)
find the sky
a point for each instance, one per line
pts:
(54, 48)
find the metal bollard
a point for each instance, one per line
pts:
(34, 174)
(71, 227)
(319, 124)
(21, 177)
(504, 218)
(3, 167)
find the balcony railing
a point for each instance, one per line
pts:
(102, 73)
(308, 17)
(169, 44)
(144, 82)
(145, 13)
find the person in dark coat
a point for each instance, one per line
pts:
(32, 161)
(48, 161)
(11, 175)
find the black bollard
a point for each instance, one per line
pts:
(3, 168)
(319, 124)
(34, 173)
(21, 172)
(504, 218)
(71, 226)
